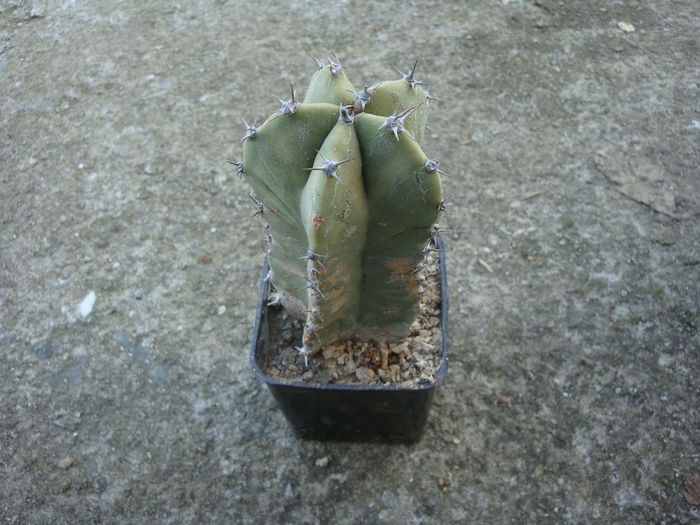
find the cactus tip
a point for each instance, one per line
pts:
(336, 68)
(250, 131)
(289, 107)
(408, 77)
(363, 96)
(334, 65)
(347, 114)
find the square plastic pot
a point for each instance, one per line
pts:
(367, 413)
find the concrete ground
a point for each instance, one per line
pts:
(571, 135)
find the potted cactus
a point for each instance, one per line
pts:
(350, 203)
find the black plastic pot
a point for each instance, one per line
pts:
(369, 413)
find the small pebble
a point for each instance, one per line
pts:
(626, 27)
(446, 480)
(46, 350)
(365, 374)
(101, 484)
(86, 305)
(323, 462)
(65, 463)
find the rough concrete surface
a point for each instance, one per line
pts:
(572, 144)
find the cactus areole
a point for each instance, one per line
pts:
(350, 200)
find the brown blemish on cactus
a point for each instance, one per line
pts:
(271, 209)
(403, 270)
(317, 221)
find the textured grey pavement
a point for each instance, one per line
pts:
(572, 144)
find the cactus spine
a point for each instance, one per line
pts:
(350, 200)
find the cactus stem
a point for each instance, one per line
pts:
(240, 170)
(395, 123)
(330, 168)
(250, 131)
(258, 205)
(432, 166)
(408, 77)
(289, 107)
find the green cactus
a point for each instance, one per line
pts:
(350, 201)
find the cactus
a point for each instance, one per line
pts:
(349, 200)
